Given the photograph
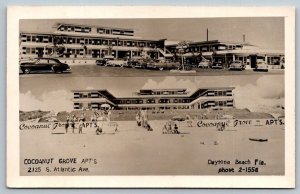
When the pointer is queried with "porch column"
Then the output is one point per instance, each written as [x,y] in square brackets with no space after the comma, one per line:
[233,57]
[266,59]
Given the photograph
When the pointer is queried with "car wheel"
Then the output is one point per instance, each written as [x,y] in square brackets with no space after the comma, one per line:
[26,70]
[56,69]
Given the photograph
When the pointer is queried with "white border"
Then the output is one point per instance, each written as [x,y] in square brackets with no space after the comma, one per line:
[15,13]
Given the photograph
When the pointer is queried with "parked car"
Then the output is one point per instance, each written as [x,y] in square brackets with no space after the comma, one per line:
[237,65]
[44,64]
[163,65]
[132,62]
[141,64]
[217,65]
[103,61]
[138,62]
[261,66]
[204,64]
[116,63]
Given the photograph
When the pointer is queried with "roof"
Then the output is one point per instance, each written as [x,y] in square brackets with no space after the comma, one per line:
[214,42]
[103,91]
[92,35]
[82,25]
[165,89]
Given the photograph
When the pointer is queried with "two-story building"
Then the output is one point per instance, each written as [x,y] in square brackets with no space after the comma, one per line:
[155,99]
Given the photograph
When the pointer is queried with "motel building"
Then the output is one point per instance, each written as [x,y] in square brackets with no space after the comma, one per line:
[226,52]
[84,43]
[155,99]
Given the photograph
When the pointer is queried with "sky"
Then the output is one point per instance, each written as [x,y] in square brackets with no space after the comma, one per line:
[267,32]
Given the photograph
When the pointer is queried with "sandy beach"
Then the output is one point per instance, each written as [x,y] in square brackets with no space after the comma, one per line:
[135,151]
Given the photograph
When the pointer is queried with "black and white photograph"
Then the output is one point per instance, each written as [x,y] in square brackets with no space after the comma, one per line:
[155,97]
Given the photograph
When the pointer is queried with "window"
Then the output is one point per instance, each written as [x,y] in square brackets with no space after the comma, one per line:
[32,50]
[43,61]
[28,50]
[49,51]
[52,61]
[28,38]
[100,30]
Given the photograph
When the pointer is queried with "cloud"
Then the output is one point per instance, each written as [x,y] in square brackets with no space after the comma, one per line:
[90,88]
[171,83]
[59,100]
[266,95]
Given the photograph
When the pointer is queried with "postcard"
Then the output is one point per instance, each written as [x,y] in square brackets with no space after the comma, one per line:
[150,97]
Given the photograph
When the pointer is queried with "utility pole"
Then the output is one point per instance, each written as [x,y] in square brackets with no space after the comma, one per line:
[207,34]
[244,37]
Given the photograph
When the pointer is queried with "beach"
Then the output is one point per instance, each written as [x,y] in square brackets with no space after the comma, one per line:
[133,150]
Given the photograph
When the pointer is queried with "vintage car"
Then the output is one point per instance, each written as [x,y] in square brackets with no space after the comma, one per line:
[44,64]
[237,65]
[261,66]
[217,65]
[103,61]
[204,64]
[133,62]
[116,63]
[163,65]
[138,62]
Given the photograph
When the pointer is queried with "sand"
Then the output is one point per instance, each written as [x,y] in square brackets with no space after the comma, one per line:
[135,151]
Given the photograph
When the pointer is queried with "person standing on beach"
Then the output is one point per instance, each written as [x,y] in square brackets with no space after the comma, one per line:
[73,123]
[80,126]
[67,124]
[108,115]
[145,118]
[138,118]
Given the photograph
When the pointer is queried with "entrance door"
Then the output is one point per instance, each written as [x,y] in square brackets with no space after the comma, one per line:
[40,52]
[253,61]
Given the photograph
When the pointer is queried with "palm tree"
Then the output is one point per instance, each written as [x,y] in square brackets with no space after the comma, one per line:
[183,45]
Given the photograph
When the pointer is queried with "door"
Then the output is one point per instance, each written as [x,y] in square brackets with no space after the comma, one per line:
[42,65]
[40,52]
[253,61]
